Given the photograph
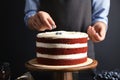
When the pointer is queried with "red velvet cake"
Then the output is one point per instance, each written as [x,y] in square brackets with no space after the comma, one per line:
[61,48]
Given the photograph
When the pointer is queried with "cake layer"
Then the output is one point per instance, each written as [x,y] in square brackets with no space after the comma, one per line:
[60,45]
[61,48]
[62,35]
[62,40]
[61,51]
[68,56]
[61,62]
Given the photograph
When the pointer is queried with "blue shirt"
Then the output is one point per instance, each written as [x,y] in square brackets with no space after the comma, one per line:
[100,10]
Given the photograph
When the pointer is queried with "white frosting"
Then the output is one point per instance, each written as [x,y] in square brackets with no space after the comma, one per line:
[70,56]
[52,67]
[54,45]
[58,35]
[63,34]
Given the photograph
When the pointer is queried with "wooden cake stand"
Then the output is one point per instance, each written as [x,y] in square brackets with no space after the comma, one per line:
[60,73]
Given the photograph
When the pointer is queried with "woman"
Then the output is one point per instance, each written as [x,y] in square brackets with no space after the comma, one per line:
[90,16]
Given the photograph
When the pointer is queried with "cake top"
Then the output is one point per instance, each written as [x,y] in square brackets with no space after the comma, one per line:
[62,34]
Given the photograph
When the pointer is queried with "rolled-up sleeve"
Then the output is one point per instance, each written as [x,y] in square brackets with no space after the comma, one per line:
[100,11]
[31,8]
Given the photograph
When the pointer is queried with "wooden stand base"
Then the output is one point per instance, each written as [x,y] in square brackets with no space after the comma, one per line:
[63,76]
[62,73]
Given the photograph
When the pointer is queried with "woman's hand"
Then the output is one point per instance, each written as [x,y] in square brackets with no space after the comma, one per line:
[97,32]
[41,21]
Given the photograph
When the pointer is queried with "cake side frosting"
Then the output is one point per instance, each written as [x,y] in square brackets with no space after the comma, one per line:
[69,56]
[61,48]
[55,45]
[62,34]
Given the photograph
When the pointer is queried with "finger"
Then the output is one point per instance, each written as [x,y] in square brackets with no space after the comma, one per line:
[39,25]
[30,24]
[100,37]
[89,31]
[35,25]
[37,20]
[96,36]
[52,23]
[101,34]
[92,34]
[47,23]
[44,20]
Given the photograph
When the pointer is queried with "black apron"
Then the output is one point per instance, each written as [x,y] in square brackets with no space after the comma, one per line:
[70,15]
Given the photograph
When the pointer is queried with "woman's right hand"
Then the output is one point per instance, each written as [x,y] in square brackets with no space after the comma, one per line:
[41,21]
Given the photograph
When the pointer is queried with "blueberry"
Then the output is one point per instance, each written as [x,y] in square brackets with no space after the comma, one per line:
[58,33]
[108,75]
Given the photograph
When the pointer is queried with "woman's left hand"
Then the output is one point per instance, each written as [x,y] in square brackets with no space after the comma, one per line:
[97,32]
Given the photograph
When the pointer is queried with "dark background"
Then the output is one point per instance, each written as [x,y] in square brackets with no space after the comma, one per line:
[18,42]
